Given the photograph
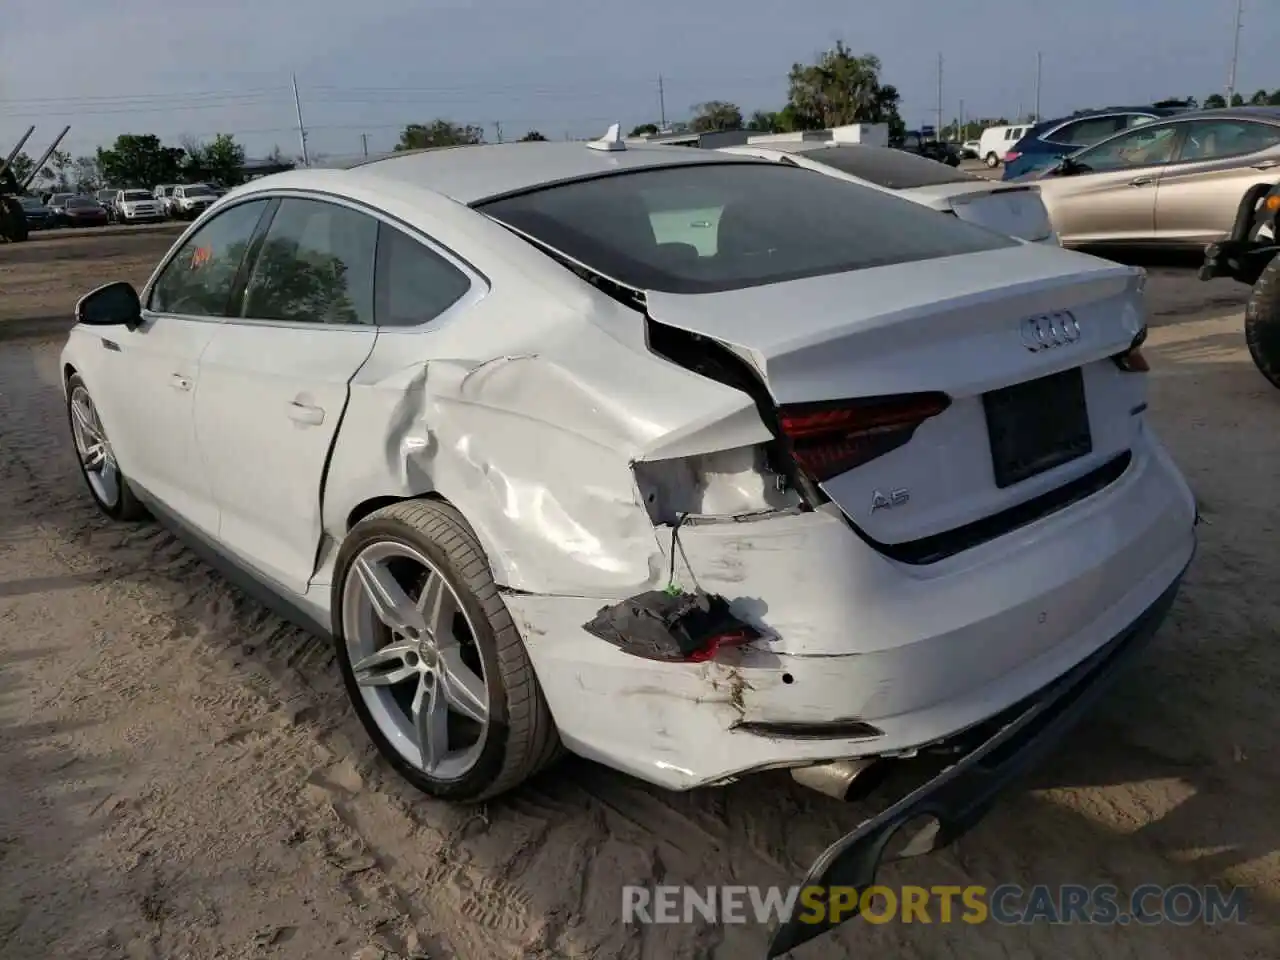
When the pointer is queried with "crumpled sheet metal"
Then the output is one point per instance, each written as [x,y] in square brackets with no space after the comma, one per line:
[534,446]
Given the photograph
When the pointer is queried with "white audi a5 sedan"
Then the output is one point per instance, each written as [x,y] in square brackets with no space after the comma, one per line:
[693,464]
[1016,209]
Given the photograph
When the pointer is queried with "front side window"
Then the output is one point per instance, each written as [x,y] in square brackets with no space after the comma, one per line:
[415,284]
[1142,147]
[762,222]
[1218,139]
[199,278]
[315,266]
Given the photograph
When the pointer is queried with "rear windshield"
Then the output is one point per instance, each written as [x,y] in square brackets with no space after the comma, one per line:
[137,195]
[894,169]
[82,202]
[199,190]
[702,228]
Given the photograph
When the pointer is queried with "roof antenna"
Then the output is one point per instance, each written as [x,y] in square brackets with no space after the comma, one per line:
[610,142]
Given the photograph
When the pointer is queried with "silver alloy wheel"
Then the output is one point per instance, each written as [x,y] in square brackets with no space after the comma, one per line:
[413,653]
[93,448]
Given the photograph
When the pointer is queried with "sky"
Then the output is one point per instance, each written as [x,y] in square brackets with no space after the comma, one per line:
[572,67]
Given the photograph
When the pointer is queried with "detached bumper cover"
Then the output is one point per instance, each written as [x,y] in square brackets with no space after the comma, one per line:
[951,803]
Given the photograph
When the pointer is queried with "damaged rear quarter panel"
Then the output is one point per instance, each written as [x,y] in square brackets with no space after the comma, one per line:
[526,414]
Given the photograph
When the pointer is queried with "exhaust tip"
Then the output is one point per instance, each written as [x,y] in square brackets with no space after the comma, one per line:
[833,779]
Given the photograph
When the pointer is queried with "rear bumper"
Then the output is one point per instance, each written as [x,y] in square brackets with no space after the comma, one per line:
[918,653]
[952,802]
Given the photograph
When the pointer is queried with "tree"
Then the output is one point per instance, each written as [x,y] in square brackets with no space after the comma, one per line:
[438,133]
[1215,101]
[222,160]
[57,171]
[139,160]
[85,177]
[21,166]
[1237,100]
[1259,99]
[842,88]
[644,130]
[716,115]
[533,136]
[1274,99]
[763,121]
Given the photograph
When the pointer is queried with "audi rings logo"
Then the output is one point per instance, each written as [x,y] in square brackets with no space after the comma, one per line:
[1050,330]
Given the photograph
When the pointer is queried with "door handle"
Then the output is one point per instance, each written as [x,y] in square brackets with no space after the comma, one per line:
[1141,181]
[306,413]
[179,382]
[1266,164]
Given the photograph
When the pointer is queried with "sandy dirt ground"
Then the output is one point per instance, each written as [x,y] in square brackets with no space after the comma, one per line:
[180,776]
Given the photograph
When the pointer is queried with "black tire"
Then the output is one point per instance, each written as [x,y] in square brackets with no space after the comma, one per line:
[15,220]
[992,160]
[1262,323]
[127,507]
[521,737]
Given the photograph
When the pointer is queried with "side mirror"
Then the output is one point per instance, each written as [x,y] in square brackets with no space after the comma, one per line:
[114,304]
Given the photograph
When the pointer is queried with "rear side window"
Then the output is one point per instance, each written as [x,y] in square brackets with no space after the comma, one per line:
[894,169]
[739,225]
[315,266]
[1085,133]
[415,284]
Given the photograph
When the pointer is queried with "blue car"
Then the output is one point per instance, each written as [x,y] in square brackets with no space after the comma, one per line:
[1046,143]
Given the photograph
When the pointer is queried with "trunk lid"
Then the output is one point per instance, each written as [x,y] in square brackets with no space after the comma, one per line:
[955,325]
[1016,211]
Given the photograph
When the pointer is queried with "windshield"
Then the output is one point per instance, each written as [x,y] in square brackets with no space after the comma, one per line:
[701,228]
[893,169]
[61,197]
[132,195]
[82,202]
[199,190]
[106,194]
[31,203]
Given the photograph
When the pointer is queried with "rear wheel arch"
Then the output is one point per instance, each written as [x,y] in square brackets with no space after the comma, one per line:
[497,565]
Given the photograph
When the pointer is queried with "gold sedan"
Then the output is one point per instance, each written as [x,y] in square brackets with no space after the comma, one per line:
[1171,182]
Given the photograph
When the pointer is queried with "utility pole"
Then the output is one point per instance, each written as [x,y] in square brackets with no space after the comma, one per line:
[938,134]
[1038,65]
[662,105]
[961,130]
[1235,53]
[364,143]
[302,131]
[497,125]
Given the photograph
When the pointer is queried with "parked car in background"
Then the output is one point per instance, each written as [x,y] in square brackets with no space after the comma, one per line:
[163,194]
[971,149]
[190,200]
[852,482]
[938,186]
[995,142]
[137,206]
[107,197]
[56,204]
[1046,143]
[1172,182]
[36,212]
[79,211]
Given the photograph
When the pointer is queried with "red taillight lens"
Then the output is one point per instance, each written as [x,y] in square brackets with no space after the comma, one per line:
[828,438]
[717,643]
[1011,156]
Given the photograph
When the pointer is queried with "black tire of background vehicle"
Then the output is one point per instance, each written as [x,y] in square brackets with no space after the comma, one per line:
[992,160]
[15,220]
[1262,323]
[522,737]
[127,508]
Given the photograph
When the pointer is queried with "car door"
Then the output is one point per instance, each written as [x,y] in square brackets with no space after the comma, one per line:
[275,382]
[1109,191]
[1217,162]
[151,375]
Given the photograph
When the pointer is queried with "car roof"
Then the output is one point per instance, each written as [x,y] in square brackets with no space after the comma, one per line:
[469,174]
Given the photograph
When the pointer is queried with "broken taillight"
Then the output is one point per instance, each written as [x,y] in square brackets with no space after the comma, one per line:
[830,437]
[1011,156]
[1132,360]
[714,644]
